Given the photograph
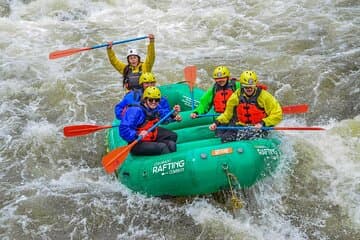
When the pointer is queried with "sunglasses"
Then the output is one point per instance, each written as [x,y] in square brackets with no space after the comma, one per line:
[154,100]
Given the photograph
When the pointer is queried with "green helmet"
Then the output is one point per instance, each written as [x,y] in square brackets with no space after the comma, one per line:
[147,77]
[152,92]
[221,72]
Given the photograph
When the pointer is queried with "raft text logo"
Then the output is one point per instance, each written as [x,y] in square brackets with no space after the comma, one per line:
[264,151]
[167,167]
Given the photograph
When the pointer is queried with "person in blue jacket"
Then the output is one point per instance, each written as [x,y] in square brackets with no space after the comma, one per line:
[139,118]
[146,79]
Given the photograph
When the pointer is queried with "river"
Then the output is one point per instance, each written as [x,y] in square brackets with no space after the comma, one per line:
[54,187]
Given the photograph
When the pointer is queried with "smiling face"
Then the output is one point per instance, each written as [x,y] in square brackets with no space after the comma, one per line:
[249,90]
[221,81]
[133,60]
[152,103]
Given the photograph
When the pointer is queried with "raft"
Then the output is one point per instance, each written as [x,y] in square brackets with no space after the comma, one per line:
[202,164]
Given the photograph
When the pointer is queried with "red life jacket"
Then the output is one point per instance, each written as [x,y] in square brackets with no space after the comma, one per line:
[222,94]
[249,111]
[262,86]
[151,119]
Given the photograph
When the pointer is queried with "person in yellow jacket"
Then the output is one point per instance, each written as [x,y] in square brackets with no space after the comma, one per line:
[132,70]
[252,106]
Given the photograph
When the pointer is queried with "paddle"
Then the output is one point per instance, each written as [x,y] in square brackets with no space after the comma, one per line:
[116,157]
[273,128]
[84,129]
[294,109]
[71,51]
[190,77]
[291,109]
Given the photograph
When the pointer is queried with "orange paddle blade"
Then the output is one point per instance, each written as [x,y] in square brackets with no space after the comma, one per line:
[190,75]
[115,158]
[79,130]
[293,109]
[68,52]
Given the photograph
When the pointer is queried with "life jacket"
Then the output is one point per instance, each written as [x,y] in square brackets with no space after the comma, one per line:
[222,94]
[249,111]
[262,86]
[131,79]
[151,118]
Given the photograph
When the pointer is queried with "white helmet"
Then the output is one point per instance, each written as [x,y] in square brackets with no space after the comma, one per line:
[132,51]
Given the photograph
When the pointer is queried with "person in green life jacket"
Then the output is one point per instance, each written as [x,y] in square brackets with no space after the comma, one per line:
[252,106]
[132,70]
[217,95]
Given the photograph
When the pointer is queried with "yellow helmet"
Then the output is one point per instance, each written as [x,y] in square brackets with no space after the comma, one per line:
[147,77]
[151,92]
[248,79]
[221,72]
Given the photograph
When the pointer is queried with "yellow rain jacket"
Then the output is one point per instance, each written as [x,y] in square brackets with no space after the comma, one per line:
[265,100]
[146,65]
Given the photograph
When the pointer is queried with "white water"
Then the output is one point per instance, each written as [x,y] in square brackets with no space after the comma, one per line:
[55,188]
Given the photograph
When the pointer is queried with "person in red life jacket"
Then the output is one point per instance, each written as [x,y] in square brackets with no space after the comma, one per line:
[139,118]
[132,97]
[217,95]
[132,70]
[252,106]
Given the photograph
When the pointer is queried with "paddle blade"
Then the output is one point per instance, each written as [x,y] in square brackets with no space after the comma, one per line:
[190,75]
[79,130]
[68,52]
[293,109]
[115,158]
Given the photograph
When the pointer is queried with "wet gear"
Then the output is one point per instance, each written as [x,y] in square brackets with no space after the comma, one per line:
[221,72]
[145,66]
[133,98]
[222,94]
[130,78]
[152,92]
[132,52]
[207,99]
[265,101]
[140,117]
[147,77]
[248,79]
[150,120]
[248,111]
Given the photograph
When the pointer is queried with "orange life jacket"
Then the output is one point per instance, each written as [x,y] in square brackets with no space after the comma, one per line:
[249,111]
[150,120]
[262,86]
[222,94]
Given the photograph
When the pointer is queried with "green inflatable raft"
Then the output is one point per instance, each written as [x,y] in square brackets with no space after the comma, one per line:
[201,164]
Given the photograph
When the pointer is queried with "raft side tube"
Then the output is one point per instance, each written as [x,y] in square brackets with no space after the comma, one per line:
[180,94]
[187,171]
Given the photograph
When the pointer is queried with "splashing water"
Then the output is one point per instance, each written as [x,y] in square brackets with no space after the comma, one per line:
[55,188]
